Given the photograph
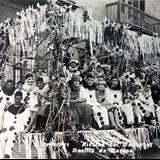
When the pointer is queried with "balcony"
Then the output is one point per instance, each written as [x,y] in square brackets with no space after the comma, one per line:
[139,20]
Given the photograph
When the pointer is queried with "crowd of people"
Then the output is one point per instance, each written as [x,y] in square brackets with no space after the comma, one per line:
[99,100]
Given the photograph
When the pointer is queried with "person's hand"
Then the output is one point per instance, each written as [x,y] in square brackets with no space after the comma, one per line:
[12,128]
[26,106]
[5,109]
[3,130]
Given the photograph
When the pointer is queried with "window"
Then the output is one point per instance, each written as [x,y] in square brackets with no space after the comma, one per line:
[140,4]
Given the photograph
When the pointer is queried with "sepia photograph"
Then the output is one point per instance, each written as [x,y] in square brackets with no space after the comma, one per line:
[79,79]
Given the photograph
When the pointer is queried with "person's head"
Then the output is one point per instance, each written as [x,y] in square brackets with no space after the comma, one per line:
[132,70]
[107,70]
[30,79]
[74,63]
[101,84]
[18,97]
[155,89]
[89,80]
[20,85]
[10,85]
[141,74]
[40,83]
[114,81]
[127,100]
[132,82]
[147,87]
[76,81]
[99,68]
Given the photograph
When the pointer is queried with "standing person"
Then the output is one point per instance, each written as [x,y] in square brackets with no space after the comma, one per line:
[82,112]
[7,96]
[30,88]
[42,93]
[14,122]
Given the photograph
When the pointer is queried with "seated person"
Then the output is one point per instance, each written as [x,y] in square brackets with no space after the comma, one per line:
[100,112]
[72,69]
[82,112]
[146,98]
[127,109]
[156,98]
[15,121]
[114,97]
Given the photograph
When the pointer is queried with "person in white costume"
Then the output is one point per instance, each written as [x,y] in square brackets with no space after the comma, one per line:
[41,90]
[114,97]
[15,121]
[30,88]
[127,109]
[146,98]
[100,112]
[7,98]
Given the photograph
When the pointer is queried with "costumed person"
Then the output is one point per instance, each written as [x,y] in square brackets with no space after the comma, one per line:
[137,105]
[156,98]
[71,69]
[15,122]
[20,88]
[127,109]
[82,112]
[83,70]
[101,97]
[100,113]
[92,68]
[114,97]
[130,73]
[108,75]
[41,115]
[145,97]
[140,76]
[7,98]
[30,88]
[99,71]
[155,94]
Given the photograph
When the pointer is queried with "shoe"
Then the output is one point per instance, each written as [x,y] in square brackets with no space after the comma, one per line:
[6,156]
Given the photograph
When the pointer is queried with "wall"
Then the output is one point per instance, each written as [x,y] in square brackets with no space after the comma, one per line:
[153,7]
[96,7]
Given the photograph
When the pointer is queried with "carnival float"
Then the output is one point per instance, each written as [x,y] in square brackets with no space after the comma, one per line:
[56,33]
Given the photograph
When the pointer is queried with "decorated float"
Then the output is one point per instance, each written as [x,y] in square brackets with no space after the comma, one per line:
[55,33]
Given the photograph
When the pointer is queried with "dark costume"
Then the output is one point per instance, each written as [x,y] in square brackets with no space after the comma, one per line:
[82,112]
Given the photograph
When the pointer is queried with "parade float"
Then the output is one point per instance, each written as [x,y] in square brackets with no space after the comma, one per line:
[49,32]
